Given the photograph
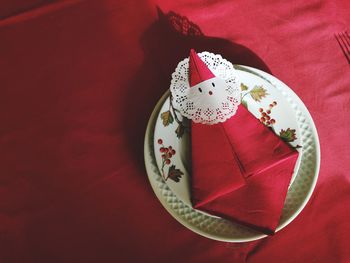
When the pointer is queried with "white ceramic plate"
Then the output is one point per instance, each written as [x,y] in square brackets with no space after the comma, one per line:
[168,121]
[298,194]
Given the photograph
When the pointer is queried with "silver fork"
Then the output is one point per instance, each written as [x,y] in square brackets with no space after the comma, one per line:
[343,40]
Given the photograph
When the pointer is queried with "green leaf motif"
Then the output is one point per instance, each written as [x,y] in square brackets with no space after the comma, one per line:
[244,87]
[258,92]
[175,174]
[288,135]
[180,130]
[244,103]
[167,118]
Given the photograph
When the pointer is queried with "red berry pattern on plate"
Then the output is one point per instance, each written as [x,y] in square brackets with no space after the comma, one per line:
[167,153]
[265,117]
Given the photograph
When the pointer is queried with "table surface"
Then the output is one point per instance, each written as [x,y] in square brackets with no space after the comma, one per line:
[78,81]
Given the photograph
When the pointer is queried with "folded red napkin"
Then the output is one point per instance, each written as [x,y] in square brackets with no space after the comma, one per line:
[253,152]
[241,170]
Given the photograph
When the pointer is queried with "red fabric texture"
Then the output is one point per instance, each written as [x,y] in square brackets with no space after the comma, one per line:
[198,71]
[224,155]
[78,81]
[215,167]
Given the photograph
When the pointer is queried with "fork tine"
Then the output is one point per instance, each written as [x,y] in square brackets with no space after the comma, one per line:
[347,38]
[346,41]
[343,46]
[346,45]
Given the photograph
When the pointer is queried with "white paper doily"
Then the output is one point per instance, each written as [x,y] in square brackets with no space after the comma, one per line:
[191,103]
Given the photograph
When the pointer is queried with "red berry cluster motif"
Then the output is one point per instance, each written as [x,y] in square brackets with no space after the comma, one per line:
[265,115]
[167,152]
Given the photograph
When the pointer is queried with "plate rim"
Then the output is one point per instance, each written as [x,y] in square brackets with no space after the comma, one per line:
[148,164]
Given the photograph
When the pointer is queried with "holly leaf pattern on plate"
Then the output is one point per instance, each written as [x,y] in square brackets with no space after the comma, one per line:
[175,174]
[180,130]
[167,118]
[258,92]
[244,87]
[288,135]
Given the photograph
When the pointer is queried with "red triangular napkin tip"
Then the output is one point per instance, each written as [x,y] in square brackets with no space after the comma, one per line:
[198,70]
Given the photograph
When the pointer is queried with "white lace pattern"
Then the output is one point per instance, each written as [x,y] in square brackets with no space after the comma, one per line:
[223,102]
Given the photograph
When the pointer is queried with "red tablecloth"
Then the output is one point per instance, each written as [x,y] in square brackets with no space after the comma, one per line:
[78,80]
